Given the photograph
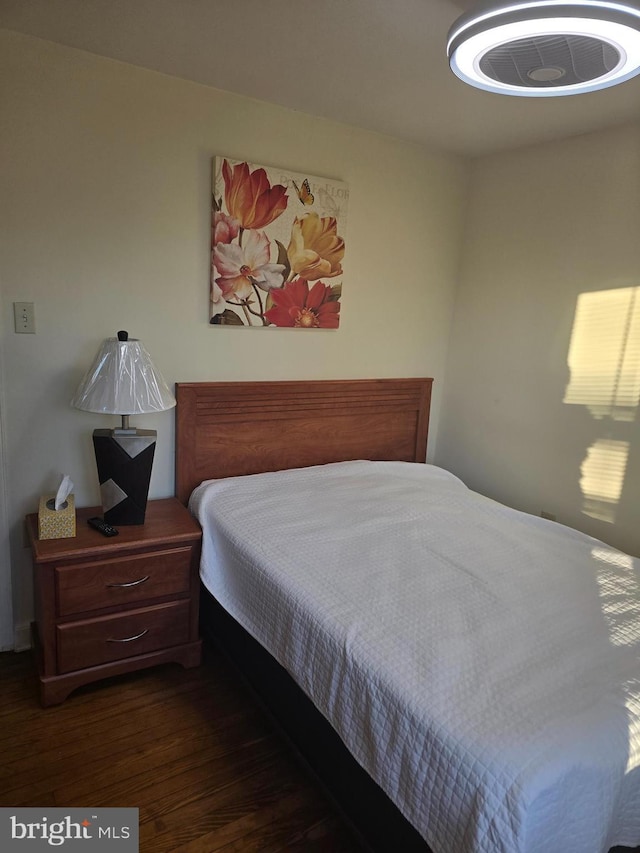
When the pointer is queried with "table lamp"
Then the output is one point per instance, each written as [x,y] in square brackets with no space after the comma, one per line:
[123,381]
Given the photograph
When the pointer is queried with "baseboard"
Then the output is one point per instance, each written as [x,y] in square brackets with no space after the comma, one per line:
[22,637]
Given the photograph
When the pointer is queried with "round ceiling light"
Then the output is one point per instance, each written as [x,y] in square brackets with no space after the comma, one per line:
[542,48]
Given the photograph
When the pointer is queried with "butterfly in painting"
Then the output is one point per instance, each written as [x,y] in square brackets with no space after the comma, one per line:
[304,192]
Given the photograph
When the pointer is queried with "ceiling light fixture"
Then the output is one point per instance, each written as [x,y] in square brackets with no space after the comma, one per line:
[543,48]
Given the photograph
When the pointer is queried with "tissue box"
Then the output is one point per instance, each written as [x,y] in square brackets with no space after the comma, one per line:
[56,525]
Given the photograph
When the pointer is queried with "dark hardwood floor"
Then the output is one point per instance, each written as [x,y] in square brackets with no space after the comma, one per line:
[189,748]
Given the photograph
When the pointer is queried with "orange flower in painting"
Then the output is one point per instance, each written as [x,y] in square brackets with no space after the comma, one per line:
[315,250]
[296,305]
[249,196]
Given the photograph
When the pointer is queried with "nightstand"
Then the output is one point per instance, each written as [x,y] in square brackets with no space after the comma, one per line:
[106,606]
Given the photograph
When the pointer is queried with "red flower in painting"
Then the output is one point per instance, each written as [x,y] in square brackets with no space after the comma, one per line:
[296,305]
[249,196]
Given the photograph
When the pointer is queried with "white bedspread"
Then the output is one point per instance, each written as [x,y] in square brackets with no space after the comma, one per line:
[483,665]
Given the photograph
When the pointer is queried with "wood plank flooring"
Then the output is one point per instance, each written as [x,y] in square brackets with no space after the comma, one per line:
[189,748]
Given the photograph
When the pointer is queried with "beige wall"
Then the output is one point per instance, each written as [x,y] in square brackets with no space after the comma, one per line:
[105,185]
[551,230]
[104,178]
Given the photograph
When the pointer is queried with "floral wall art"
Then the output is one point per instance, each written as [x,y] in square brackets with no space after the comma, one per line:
[277,247]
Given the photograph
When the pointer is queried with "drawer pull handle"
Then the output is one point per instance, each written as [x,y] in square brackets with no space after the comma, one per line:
[129,639]
[130,583]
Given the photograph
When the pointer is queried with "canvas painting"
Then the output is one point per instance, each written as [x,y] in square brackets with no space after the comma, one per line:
[277,247]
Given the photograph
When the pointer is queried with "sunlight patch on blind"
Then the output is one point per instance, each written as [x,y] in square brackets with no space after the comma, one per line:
[603,471]
[604,353]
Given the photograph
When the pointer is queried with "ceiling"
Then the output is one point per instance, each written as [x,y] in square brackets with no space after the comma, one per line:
[376,64]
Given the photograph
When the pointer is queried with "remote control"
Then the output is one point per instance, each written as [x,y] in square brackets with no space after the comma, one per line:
[102,526]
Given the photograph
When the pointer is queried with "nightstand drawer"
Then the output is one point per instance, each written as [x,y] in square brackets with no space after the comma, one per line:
[122,581]
[109,638]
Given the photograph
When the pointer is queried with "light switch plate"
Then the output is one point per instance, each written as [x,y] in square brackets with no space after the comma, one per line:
[25,318]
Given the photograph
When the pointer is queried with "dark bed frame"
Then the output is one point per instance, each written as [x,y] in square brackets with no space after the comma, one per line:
[374,820]
[227,429]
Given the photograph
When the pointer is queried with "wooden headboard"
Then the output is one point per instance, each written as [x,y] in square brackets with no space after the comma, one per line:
[225,429]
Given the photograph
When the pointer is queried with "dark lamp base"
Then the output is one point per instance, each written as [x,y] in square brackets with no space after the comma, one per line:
[124,459]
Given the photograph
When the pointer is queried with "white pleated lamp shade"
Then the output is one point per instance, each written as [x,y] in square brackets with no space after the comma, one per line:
[123,381]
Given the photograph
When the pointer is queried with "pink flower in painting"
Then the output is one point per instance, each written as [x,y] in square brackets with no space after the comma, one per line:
[296,305]
[225,228]
[249,196]
[241,267]
[218,304]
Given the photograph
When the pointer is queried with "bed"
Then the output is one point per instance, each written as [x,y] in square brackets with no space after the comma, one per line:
[464,678]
